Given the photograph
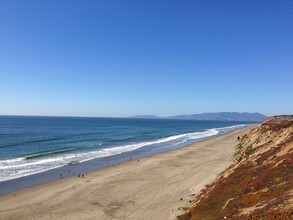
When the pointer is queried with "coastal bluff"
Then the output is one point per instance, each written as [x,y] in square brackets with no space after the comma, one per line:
[259,183]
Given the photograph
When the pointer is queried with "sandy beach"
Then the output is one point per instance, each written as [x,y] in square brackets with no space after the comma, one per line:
[155,187]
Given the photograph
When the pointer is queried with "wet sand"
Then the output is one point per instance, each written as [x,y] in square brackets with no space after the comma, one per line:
[155,187]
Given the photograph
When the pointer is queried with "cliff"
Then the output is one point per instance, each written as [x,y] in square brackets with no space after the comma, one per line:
[259,183]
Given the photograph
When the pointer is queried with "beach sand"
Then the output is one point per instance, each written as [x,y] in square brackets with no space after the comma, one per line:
[146,189]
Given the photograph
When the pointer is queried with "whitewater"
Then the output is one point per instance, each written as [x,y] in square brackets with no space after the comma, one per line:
[32,163]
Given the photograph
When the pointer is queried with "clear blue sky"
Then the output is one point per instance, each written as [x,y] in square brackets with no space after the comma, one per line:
[121,58]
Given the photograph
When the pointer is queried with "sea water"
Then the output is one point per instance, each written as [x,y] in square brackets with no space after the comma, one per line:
[30,145]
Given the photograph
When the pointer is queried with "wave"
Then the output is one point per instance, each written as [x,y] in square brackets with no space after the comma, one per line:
[148,132]
[123,139]
[53,139]
[82,141]
[42,161]
[48,153]
[83,134]
[180,137]
[30,142]
[233,127]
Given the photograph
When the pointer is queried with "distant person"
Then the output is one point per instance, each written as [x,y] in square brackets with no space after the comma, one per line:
[238,138]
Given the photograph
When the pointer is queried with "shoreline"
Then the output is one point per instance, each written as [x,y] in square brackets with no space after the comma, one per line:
[146,189]
[71,170]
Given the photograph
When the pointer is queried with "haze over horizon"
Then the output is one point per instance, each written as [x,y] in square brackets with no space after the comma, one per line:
[124,58]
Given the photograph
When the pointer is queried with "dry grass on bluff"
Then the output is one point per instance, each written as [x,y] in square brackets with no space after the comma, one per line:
[259,185]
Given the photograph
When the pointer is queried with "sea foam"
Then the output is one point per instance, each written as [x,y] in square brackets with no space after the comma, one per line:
[19,167]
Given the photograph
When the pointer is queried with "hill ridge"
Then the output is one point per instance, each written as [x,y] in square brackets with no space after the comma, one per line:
[213,116]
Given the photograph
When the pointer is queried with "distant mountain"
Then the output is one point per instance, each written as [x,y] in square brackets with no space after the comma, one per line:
[216,116]
[223,116]
[145,116]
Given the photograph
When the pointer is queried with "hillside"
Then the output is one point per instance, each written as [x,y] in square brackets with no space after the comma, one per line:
[259,184]
[224,116]
[216,116]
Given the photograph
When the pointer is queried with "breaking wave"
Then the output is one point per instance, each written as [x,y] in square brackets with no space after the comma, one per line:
[43,161]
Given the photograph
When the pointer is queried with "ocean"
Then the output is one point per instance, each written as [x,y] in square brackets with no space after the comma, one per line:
[31,144]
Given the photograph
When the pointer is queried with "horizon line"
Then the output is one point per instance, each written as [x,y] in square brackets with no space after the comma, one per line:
[130,116]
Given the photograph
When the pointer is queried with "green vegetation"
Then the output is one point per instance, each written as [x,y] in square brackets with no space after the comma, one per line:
[250,151]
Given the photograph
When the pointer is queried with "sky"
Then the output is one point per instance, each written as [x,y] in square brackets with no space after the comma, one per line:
[121,58]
